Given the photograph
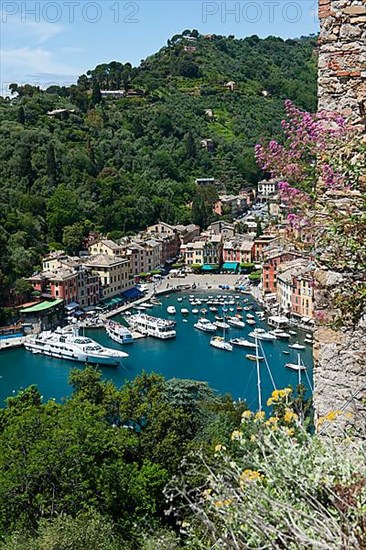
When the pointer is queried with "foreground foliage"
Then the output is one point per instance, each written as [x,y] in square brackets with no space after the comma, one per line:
[279,487]
[105,454]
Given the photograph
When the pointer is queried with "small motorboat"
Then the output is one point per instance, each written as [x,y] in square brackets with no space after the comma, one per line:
[286,352]
[179,299]
[205,325]
[239,308]
[219,343]
[254,357]
[218,318]
[195,311]
[213,309]
[242,342]
[292,332]
[184,311]
[250,316]
[171,310]
[261,334]
[296,346]
[251,321]
[235,322]
[308,341]
[280,333]
[222,325]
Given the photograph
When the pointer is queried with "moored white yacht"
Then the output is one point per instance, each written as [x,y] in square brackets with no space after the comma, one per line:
[235,322]
[119,333]
[205,325]
[153,326]
[68,344]
[243,343]
[171,310]
[279,333]
[221,325]
[296,346]
[219,343]
[261,334]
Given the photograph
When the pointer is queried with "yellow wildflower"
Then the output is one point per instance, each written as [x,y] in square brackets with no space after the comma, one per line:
[247,414]
[237,435]
[220,503]
[279,394]
[249,476]
[272,420]
[290,416]
[185,524]
[206,493]
[253,437]
[260,415]
[289,431]
[219,448]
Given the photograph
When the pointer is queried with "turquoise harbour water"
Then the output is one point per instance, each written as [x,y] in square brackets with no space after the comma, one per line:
[189,355]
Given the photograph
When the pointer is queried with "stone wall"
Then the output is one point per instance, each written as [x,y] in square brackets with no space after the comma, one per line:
[340,355]
[342,58]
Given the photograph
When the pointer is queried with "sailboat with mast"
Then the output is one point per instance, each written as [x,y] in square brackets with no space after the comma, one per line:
[257,358]
[219,342]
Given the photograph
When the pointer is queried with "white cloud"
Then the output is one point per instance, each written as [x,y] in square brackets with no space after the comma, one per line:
[28,29]
[36,60]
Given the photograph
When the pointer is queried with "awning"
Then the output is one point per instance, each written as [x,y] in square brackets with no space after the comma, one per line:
[231,266]
[132,293]
[78,313]
[209,267]
[71,306]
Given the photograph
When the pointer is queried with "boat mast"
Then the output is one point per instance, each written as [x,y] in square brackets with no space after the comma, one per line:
[258,375]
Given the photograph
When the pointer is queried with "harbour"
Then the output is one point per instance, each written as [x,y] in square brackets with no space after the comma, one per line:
[188,355]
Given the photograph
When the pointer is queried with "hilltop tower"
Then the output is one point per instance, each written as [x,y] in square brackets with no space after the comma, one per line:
[340,355]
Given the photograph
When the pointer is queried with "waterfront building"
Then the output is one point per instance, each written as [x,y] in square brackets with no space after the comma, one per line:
[114,273]
[260,244]
[61,283]
[43,315]
[207,250]
[239,249]
[106,246]
[294,288]
[88,291]
[270,268]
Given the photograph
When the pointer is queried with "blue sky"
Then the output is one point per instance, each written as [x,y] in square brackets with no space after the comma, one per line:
[47,42]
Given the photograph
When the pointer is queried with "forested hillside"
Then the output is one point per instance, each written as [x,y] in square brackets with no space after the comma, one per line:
[117,165]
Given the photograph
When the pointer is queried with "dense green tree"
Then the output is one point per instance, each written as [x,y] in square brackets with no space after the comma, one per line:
[72,237]
[21,115]
[51,164]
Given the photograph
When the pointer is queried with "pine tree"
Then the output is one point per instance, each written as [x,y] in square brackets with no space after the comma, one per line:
[96,94]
